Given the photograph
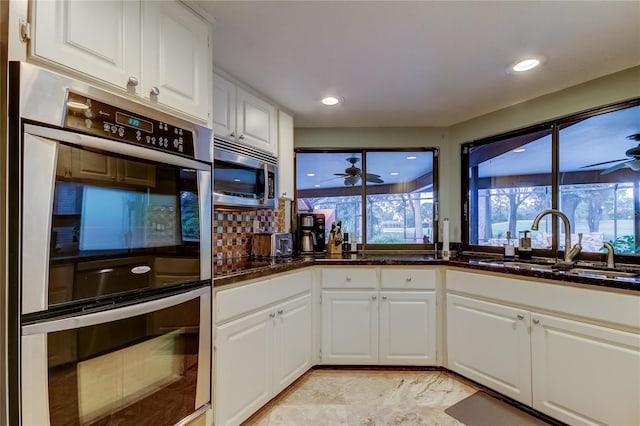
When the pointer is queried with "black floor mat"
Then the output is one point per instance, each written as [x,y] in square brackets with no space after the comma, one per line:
[481,409]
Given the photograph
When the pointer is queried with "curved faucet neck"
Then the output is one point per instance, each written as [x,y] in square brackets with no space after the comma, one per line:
[567,230]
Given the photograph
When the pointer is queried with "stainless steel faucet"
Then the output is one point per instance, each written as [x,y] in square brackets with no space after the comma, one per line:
[569,252]
[610,252]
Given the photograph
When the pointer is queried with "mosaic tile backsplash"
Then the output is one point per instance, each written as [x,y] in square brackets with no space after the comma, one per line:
[232,230]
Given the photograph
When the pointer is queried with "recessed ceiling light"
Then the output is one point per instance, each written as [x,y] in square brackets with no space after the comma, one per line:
[317,185]
[525,64]
[411,157]
[331,100]
[311,174]
[394,173]
[519,150]
[236,180]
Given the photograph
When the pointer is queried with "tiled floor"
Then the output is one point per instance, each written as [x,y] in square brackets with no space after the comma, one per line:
[366,397]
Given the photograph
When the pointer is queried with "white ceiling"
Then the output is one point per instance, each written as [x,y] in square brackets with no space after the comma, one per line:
[421,63]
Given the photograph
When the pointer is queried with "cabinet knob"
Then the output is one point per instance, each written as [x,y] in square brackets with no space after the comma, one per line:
[408,279]
[520,316]
[272,315]
[241,137]
[536,321]
[280,311]
[132,81]
[348,279]
[155,91]
[374,297]
[384,297]
[232,134]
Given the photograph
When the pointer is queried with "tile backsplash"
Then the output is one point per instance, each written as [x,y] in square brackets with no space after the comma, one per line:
[232,230]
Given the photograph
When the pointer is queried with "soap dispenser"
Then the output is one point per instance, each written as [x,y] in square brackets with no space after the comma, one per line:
[524,250]
[509,249]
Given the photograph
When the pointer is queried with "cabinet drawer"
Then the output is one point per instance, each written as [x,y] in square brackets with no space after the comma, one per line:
[240,300]
[349,278]
[409,279]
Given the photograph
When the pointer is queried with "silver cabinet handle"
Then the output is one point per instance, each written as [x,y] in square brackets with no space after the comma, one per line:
[241,137]
[374,297]
[280,311]
[155,91]
[272,315]
[348,279]
[384,297]
[520,316]
[132,81]
[536,321]
[408,279]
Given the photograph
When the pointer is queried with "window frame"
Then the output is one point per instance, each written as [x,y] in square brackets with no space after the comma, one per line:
[554,125]
[363,153]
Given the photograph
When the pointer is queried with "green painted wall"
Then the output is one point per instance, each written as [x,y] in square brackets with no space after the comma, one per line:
[610,89]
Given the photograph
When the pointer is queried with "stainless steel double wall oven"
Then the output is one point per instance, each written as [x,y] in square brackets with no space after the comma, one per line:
[110,268]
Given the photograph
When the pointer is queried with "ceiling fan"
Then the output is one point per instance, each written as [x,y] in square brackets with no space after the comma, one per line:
[632,161]
[353,174]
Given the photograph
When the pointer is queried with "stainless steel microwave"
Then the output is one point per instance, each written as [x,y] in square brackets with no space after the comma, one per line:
[243,176]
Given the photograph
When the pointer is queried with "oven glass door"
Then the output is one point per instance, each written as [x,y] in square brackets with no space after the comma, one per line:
[114,224]
[151,368]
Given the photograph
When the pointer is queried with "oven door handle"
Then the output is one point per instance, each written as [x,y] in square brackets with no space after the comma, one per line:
[265,170]
[112,314]
[114,147]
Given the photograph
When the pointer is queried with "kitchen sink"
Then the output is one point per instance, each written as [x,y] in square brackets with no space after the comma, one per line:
[601,273]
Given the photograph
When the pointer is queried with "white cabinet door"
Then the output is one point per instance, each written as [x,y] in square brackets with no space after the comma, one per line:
[177,62]
[350,327]
[292,347]
[285,154]
[256,122]
[97,38]
[489,343]
[408,328]
[584,374]
[224,107]
[243,366]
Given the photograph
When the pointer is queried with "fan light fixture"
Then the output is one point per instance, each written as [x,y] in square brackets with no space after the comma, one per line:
[331,100]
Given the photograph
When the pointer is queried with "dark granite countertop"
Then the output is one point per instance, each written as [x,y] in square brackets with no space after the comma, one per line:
[236,270]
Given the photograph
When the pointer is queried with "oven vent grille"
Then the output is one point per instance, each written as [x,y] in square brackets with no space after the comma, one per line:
[238,148]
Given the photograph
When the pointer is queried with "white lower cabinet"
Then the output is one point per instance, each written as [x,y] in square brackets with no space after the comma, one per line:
[258,355]
[371,327]
[585,374]
[349,327]
[489,343]
[578,371]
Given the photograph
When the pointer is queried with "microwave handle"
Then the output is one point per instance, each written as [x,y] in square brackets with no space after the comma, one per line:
[265,169]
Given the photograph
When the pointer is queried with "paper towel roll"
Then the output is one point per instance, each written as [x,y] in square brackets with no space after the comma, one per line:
[445,239]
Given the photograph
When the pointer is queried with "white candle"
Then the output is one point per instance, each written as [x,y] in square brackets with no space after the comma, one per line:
[445,239]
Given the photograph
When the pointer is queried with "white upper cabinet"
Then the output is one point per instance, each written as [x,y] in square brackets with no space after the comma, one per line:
[176,58]
[158,51]
[285,154]
[256,122]
[97,38]
[224,107]
[244,117]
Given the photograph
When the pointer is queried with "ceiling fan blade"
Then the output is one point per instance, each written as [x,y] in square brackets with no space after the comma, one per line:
[374,179]
[372,176]
[617,167]
[604,162]
[341,174]
[634,164]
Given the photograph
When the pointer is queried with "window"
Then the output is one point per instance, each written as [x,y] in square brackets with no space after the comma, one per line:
[587,166]
[382,197]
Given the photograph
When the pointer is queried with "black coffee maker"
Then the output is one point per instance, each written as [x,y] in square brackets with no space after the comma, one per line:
[310,233]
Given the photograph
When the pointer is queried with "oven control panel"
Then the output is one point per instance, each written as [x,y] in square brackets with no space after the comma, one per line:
[106,121]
